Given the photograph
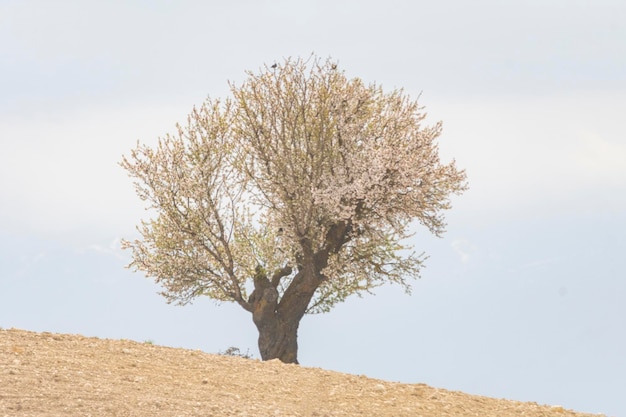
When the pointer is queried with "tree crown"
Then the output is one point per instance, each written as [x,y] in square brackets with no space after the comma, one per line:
[302,168]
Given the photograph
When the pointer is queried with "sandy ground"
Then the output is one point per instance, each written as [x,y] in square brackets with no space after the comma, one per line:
[45,374]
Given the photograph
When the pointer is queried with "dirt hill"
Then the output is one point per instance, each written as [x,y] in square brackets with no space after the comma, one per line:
[45,374]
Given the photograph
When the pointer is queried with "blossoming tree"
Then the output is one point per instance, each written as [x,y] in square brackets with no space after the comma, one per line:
[289,196]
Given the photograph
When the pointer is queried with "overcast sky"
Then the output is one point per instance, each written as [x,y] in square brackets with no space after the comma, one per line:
[523,297]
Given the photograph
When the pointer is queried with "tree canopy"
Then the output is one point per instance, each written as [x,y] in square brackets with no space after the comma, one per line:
[292,194]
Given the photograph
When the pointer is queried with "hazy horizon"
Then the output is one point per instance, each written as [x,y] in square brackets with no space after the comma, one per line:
[522,298]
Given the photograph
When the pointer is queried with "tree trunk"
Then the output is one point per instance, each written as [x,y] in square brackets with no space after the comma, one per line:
[277,322]
[279,340]
[278,333]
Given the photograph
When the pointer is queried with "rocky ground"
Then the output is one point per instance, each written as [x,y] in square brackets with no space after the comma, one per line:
[45,374]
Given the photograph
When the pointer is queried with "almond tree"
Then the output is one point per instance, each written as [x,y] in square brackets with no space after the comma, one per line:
[289,196]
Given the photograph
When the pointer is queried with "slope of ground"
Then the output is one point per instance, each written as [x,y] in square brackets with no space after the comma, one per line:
[44,374]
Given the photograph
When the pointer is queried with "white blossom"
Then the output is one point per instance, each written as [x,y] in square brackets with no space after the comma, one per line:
[267,178]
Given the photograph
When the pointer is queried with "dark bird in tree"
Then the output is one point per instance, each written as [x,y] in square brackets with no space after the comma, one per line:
[274,66]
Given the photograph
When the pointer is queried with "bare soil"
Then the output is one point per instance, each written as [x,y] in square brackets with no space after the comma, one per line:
[45,374]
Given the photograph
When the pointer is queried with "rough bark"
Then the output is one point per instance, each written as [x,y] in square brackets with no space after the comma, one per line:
[277,320]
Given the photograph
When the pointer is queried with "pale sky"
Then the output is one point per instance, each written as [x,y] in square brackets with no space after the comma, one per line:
[523,297]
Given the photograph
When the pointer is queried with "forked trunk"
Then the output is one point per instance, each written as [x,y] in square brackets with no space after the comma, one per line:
[278,324]
[278,331]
